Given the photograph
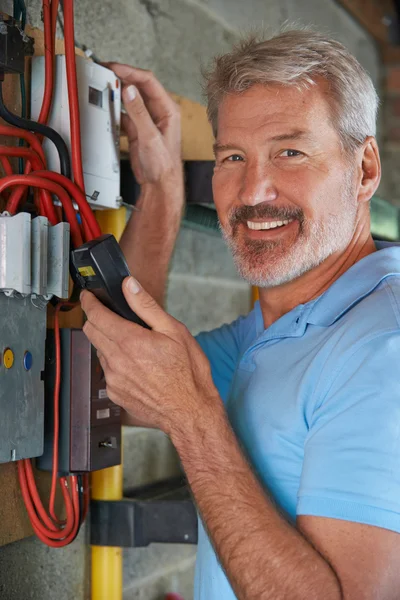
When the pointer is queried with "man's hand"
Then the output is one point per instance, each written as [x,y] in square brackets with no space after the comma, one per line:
[153,126]
[160,377]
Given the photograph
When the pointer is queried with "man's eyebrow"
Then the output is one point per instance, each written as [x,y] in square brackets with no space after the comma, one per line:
[293,135]
[298,134]
[224,147]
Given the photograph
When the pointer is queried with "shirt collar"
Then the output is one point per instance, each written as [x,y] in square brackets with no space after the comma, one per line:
[356,283]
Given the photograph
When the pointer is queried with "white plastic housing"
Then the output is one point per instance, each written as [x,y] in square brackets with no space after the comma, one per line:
[34,257]
[100,112]
[15,253]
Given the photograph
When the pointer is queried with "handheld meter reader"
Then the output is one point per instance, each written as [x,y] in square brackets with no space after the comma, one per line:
[100,267]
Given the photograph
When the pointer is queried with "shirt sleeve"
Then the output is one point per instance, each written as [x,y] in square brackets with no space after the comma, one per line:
[351,467]
[222,348]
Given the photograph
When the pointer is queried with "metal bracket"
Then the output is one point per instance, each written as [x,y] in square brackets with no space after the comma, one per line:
[162,513]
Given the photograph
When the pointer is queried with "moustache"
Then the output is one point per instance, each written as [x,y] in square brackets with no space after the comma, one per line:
[240,214]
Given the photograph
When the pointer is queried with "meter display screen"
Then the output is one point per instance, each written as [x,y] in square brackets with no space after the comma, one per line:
[95,97]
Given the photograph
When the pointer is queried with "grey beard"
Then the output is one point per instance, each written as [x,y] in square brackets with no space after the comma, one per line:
[315,243]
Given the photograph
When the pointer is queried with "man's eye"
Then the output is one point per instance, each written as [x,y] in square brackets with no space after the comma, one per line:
[234,158]
[290,153]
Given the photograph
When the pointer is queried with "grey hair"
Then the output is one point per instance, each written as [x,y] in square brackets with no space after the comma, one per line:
[299,57]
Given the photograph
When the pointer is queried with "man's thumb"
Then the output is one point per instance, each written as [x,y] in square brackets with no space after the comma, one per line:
[145,306]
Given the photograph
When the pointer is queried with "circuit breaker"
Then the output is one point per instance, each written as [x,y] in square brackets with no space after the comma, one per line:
[100,112]
[33,268]
[90,424]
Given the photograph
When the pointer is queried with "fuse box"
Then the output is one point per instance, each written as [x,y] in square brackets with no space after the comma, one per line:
[100,113]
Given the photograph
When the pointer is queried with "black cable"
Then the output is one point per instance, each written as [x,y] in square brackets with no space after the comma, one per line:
[9,117]
[23,115]
[20,15]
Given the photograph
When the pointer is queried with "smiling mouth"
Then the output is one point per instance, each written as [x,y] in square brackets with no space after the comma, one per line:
[256,226]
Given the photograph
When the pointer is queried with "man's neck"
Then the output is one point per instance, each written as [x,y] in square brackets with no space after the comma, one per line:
[277,301]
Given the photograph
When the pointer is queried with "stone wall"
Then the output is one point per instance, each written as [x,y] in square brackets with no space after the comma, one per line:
[173,38]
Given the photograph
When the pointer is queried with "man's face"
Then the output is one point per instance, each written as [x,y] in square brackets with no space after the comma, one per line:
[284,190]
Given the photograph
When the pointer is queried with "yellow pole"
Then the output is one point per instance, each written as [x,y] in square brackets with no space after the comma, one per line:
[112,221]
[106,579]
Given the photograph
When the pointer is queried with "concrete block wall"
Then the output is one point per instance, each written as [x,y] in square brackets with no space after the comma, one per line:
[173,38]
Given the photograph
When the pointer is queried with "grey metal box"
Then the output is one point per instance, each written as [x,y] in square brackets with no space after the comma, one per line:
[22,329]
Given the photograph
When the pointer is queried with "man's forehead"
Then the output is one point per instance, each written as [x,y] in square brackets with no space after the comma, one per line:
[275,95]
[276,112]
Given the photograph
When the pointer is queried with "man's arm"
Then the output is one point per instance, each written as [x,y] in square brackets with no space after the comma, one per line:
[153,127]
[263,555]
[150,235]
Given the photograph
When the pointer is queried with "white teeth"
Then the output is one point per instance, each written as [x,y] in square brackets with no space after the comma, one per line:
[267,225]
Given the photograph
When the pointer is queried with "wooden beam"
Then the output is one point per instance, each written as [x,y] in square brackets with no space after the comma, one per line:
[372,16]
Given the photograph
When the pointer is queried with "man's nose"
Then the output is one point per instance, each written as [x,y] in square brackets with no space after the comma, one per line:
[257,186]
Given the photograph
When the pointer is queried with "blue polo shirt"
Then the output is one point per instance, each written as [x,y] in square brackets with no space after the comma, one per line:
[315,402]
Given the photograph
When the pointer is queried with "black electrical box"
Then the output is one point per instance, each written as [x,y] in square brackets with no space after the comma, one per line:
[100,267]
[90,424]
[14,46]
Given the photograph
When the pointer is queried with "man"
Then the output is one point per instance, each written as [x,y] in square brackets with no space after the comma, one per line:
[288,425]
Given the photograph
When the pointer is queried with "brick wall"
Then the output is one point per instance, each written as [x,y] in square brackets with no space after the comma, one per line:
[390,126]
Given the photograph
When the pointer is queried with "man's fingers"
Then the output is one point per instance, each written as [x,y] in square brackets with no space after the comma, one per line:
[109,324]
[146,307]
[100,341]
[138,112]
[128,127]
[158,101]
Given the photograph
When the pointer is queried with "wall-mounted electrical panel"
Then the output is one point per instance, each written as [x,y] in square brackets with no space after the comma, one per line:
[33,267]
[100,112]
[90,424]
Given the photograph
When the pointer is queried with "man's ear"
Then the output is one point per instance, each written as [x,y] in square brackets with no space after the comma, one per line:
[370,170]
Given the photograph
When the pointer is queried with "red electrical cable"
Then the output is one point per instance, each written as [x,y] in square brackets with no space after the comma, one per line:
[6,165]
[75,125]
[54,12]
[40,518]
[48,63]
[50,529]
[17,193]
[7,168]
[51,186]
[47,526]
[52,536]
[93,230]
[57,385]
[48,18]
[80,199]
[47,202]
[28,136]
